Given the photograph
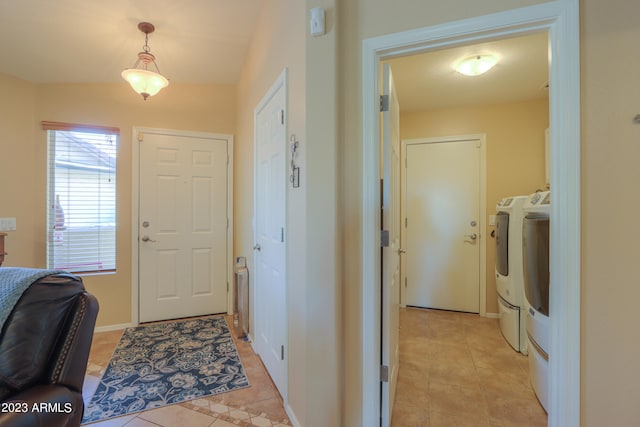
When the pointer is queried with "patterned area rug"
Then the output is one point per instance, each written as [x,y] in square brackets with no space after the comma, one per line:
[161,364]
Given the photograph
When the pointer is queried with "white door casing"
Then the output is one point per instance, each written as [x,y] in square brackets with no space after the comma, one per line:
[441,201]
[391,248]
[270,305]
[183,225]
[561,20]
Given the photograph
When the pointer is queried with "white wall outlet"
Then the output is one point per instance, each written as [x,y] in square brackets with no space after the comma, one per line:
[7,224]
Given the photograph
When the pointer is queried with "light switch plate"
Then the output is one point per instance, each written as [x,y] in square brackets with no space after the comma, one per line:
[317,21]
[7,224]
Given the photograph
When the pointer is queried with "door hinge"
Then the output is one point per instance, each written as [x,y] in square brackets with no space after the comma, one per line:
[405,282]
[140,136]
[227,287]
[384,103]
[384,238]
[281,117]
[281,352]
[282,234]
[384,373]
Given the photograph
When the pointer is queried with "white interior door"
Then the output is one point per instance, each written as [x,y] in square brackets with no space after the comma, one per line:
[391,251]
[182,226]
[270,319]
[442,210]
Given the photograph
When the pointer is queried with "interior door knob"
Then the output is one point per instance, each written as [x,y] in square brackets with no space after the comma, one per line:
[257,247]
[147,239]
[473,236]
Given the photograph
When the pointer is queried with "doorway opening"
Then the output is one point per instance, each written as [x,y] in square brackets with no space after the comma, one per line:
[560,20]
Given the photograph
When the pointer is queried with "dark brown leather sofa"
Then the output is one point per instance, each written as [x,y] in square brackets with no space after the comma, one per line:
[44,348]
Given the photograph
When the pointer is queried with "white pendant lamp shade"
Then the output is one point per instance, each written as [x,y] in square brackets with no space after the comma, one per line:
[476,65]
[144,81]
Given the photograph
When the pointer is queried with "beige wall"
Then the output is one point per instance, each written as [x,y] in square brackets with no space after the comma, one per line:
[205,108]
[515,153]
[278,44]
[610,206]
[19,192]
[323,306]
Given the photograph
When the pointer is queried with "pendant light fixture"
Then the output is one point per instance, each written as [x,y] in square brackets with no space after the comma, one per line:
[144,81]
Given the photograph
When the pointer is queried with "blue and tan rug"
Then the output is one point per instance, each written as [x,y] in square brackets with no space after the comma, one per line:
[166,363]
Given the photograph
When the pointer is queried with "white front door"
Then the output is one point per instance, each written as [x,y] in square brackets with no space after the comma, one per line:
[270,318]
[182,226]
[442,225]
[391,248]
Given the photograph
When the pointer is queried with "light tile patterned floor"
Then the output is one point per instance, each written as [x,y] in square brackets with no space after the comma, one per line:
[259,405]
[457,370]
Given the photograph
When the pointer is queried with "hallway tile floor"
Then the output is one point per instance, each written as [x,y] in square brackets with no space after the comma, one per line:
[259,405]
[456,370]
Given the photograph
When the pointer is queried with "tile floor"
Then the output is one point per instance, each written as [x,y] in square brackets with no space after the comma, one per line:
[457,370]
[258,405]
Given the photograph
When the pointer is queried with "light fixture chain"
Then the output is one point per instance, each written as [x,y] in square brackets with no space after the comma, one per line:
[146,43]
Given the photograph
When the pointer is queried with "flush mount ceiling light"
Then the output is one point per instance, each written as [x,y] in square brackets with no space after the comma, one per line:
[476,64]
[144,81]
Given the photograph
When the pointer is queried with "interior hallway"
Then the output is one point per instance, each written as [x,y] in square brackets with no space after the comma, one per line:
[456,369]
[259,405]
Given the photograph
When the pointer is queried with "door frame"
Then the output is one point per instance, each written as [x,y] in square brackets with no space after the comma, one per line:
[281,82]
[135,210]
[560,19]
[482,217]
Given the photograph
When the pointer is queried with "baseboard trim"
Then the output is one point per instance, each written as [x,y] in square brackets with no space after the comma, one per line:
[109,328]
[493,315]
[292,417]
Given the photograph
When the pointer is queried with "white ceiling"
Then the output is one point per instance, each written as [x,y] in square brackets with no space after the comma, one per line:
[427,81]
[87,41]
[206,41]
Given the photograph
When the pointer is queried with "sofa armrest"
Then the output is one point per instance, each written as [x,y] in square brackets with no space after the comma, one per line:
[71,363]
[42,406]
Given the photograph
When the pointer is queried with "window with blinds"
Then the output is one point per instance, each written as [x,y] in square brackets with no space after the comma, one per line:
[81,197]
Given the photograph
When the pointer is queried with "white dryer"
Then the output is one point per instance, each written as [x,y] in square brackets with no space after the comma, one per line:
[508,269]
[535,251]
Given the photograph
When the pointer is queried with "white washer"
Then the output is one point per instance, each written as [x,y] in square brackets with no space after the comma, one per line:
[508,269]
[535,251]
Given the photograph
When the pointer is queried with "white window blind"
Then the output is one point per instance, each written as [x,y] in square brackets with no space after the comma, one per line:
[81,197]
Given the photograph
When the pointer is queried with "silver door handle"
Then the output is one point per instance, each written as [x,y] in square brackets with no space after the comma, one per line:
[147,239]
[401,251]
[473,236]
[257,247]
